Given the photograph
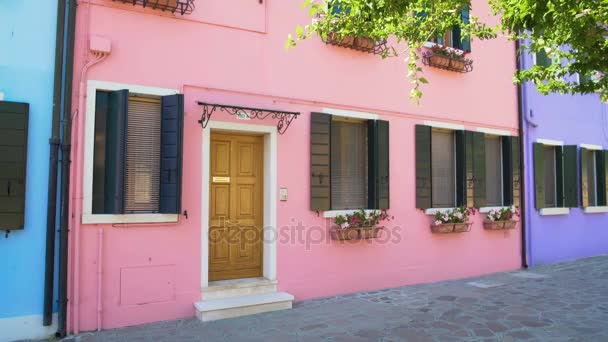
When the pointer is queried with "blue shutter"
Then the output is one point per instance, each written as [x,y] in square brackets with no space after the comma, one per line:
[378,164]
[171,153]
[464,43]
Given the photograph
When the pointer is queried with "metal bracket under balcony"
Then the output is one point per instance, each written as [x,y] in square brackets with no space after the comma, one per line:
[284,118]
[179,6]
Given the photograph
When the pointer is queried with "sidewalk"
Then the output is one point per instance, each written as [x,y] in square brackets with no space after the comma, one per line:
[563,302]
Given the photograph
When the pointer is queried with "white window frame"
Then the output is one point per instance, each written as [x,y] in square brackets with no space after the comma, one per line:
[501,133]
[89,148]
[554,210]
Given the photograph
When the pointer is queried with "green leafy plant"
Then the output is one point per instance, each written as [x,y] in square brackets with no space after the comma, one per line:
[573,33]
[456,215]
[361,218]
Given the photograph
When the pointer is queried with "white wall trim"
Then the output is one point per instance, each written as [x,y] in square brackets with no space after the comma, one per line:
[129,218]
[447,125]
[554,211]
[550,142]
[595,210]
[485,210]
[334,213]
[591,147]
[89,141]
[25,328]
[493,131]
[350,114]
[270,193]
[433,211]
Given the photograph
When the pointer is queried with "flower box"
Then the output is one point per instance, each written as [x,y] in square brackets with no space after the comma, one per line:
[364,44]
[447,58]
[360,233]
[499,225]
[440,61]
[457,64]
[447,228]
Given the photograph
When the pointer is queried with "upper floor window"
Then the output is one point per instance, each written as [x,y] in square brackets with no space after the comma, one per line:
[349,163]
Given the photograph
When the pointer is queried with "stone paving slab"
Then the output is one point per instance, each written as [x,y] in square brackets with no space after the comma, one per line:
[562,302]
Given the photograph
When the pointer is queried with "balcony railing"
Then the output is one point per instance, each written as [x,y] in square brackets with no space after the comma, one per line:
[180,6]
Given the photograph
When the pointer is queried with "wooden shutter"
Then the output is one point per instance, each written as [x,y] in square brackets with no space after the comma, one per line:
[469,173]
[511,177]
[460,42]
[171,153]
[461,168]
[99,151]
[542,59]
[604,180]
[602,192]
[424,186]
[479,168]
[559,176]
[378,159]
[585,155]
[320,175]
[115,153]
[14,119]
[570,176]
[539,175]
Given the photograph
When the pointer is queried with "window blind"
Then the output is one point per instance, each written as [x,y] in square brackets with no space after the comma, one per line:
[142,174]
[443,169]
[348,165]
[550,185]
[493,171]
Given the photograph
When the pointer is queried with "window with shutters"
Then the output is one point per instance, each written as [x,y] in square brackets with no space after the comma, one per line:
[542,59]
[349,163]
[593,177]
[136,155]
[443,166]
[556,177]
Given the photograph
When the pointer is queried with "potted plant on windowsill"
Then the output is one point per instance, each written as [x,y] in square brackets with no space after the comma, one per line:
[453,221]
[447,58]
[359,225]
[500,219]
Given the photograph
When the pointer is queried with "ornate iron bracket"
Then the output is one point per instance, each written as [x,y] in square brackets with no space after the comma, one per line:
[285,118]
[180,6]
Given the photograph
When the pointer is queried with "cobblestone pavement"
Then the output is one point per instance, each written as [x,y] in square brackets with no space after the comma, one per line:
[562,302]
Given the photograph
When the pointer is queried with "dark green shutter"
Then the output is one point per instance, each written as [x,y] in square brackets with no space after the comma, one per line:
[539,176]
[559,176]
[464,43]
[424,188]
[602,193]
[605,159]
[111,110]
[320,174]
[378,161]
[510,170]
[171,153]
[479,169]
[461,168]
[14,118]
[542,59]
[469,172]
[570,167]
[585,155]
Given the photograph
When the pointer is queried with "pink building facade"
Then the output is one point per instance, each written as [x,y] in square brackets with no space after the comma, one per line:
[135,265]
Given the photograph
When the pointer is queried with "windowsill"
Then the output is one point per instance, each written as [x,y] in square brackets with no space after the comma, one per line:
[485,210]
[129,218]
[595,210]
[554,211]
[334,213]
[431,44]
[433,211]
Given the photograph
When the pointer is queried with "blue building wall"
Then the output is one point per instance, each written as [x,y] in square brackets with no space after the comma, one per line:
[27,47]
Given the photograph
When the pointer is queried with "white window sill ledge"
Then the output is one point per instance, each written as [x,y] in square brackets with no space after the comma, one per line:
[433,211]
[485,210]
[595,210]
[554,211]
[129,218]
[334,213]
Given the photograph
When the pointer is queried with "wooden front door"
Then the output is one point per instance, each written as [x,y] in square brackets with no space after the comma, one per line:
[235,206]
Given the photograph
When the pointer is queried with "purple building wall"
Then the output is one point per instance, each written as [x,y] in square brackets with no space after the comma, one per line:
[575,120]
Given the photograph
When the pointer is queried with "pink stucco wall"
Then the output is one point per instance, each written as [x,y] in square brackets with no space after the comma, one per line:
[239,59]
